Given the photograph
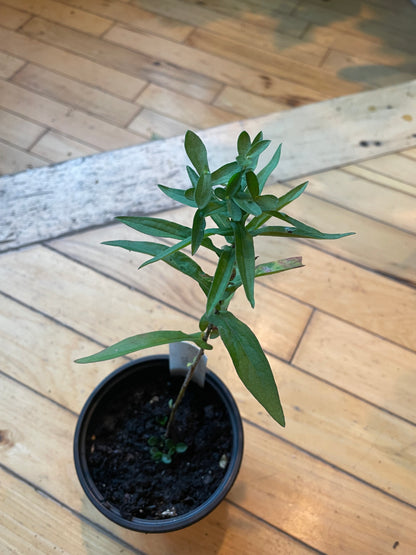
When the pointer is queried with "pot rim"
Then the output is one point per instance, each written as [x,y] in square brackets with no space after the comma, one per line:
[168,524]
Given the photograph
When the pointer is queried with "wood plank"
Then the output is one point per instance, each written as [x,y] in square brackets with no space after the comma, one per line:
[359,362]
[411,153]
[316,138]
[360,47]
[402,19]
[13,160]
[274,477]
[78,67]
[171,27]
[58,116]
[152,125]
[9,65]
[214,66]
[394,166]
[56,11]
[353,68]
[180,107]
[58,148]
[34,523]
[241,19]
[369,28]
[357,194]
[295,314]
[247,104]
[12,18]
[76,94]
[376,245]
[274,39]
[18,131]
[152,67]
[316,84]
[383,180]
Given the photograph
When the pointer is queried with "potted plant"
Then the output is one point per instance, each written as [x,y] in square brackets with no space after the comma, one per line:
[155,452]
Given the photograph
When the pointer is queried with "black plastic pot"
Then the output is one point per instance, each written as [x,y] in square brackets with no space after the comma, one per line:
[102,392]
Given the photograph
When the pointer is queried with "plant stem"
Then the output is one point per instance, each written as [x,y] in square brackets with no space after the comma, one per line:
[187,381]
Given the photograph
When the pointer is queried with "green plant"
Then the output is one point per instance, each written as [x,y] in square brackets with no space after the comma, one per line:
[232,197]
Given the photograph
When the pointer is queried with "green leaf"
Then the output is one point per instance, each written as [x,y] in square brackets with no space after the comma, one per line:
[257,149]
[265,173]
[304,232]
[243,143]
[170,250]
[276,266]
[252,184]
[178,195]
[144,341]
[250,362]
[234,211]
[177,260]
[196,151]
[258,138]
[267,202]
[198,228]
[247,204]
[193,176]
[234,184]
[244,253]
[157,227]
[203,190]
[223,174]
[291,195]
[221,279]
[181,447]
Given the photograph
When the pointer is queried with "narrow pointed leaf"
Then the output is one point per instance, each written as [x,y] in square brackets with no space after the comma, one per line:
[252,184]
[244,253]
[196,151]
[250,362]
[234,211]
[157,227]
[243,143]
[291,195]
[267,202]
[178,195]
[198,229]
[193,176]
[247,205]
[276,266]
[221,279]
[143,341]
[234,184]
[310,233]
[203,190]
[258,138]
[223,174]
[265,173]
[170,250]
[178,260]
[256,149]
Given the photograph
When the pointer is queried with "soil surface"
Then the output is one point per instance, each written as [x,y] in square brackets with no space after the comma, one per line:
[119,456]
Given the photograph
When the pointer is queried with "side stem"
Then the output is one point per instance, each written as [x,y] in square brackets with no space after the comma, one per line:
[187,381]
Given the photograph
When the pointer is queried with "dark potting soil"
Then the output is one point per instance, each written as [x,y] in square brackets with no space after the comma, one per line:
[119,458]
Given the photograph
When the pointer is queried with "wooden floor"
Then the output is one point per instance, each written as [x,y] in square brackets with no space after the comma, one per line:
[341,337]
[340,333]
[79,77]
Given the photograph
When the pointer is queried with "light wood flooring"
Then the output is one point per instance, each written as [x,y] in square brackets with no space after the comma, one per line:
[340,333]
[79,77]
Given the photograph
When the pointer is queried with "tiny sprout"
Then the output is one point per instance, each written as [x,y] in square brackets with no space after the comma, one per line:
[162,448]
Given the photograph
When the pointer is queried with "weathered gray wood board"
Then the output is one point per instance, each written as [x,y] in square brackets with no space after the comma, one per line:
[47,202]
